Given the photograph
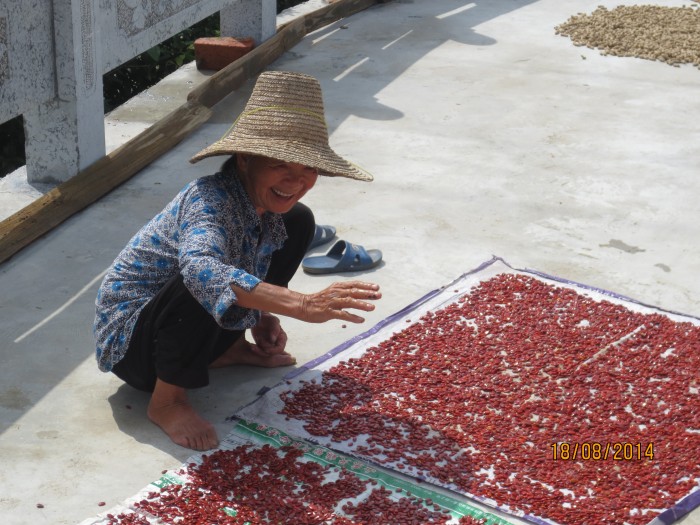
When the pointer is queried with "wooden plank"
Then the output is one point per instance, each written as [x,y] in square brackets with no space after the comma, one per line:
[230,78]
[50,210]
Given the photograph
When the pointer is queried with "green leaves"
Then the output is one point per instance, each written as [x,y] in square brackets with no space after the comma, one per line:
[154,53]
[11,145]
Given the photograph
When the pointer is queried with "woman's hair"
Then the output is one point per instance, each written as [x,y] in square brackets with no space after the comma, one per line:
[229,165]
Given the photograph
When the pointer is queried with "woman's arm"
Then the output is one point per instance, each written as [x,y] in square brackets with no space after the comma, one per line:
[319,307]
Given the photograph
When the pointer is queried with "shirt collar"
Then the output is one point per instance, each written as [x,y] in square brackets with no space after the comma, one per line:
[271,224]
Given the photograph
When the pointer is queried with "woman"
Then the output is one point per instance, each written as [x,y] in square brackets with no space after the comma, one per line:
[217,261]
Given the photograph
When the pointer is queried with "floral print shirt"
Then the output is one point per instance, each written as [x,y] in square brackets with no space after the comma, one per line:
[211,234]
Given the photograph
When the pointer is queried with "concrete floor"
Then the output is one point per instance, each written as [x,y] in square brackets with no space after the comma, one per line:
[487,134]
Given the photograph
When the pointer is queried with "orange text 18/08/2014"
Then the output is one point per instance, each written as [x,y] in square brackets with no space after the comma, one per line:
[594,451]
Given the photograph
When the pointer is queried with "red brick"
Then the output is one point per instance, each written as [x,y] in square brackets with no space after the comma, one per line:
[218,52]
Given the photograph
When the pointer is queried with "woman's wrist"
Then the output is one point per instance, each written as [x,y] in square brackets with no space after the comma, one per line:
[271,299]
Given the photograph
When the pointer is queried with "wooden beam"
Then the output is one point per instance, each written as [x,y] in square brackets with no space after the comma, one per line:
[101,177]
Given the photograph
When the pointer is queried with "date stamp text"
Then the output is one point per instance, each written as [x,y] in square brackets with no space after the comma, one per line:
[594,451]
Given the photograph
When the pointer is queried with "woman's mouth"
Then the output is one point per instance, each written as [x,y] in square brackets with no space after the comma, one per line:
[282,194]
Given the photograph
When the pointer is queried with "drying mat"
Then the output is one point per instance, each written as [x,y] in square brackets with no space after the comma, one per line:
[540,397]
[284,474]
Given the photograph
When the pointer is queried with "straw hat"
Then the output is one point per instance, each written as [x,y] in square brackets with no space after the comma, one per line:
[284,120]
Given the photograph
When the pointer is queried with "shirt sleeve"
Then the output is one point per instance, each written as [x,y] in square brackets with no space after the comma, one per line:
[210,243]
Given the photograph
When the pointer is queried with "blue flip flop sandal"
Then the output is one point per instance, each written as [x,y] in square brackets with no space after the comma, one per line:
[342,257]
[322,235]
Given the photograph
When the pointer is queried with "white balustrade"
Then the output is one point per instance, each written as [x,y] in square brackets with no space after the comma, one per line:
[53,54]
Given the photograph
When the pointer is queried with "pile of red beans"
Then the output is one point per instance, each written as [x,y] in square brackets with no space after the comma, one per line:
[543,400]
[269,485]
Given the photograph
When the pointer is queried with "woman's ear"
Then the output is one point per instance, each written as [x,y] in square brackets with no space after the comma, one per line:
[242,162]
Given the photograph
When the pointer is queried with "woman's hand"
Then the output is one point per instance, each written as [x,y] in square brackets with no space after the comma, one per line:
[319,307]
[268,335]
[333,302]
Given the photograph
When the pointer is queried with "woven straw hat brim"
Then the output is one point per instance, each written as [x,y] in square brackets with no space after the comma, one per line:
[284,120]
[318,156]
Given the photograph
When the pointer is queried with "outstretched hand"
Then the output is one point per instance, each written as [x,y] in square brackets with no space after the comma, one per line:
[334,302]
[331,303]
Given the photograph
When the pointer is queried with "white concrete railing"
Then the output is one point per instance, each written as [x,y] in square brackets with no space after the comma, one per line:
[53,54]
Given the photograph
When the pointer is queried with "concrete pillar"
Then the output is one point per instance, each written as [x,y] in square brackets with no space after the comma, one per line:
[254,18]
[65,135]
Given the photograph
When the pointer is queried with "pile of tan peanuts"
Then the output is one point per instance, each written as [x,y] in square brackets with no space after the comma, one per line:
[667,34]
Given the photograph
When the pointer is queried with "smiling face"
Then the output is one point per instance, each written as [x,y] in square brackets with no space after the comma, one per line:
[274,185]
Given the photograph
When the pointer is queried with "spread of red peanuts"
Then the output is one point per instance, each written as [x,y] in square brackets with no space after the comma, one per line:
[474,397]
[270,485]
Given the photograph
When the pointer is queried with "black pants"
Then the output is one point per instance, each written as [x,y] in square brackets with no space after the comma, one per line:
[175,339]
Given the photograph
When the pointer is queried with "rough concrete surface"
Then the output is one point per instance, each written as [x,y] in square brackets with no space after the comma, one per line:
[487,134]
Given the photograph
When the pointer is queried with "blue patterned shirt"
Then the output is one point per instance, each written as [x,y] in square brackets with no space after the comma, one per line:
[212,235]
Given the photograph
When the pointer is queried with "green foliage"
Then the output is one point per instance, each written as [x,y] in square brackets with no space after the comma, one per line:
[284,4]
[11,145]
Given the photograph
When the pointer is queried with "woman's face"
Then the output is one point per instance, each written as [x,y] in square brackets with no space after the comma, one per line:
[274,185]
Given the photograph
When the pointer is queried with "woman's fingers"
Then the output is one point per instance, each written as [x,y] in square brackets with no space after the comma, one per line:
[280,343]
[267,333]
[349,302]
[365,294]
[266,347]
[358,290]
[334,301]
[362,289]
[258,350]
[344,315]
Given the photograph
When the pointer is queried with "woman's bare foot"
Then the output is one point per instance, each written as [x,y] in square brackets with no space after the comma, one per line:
[172,412]
[241,353]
